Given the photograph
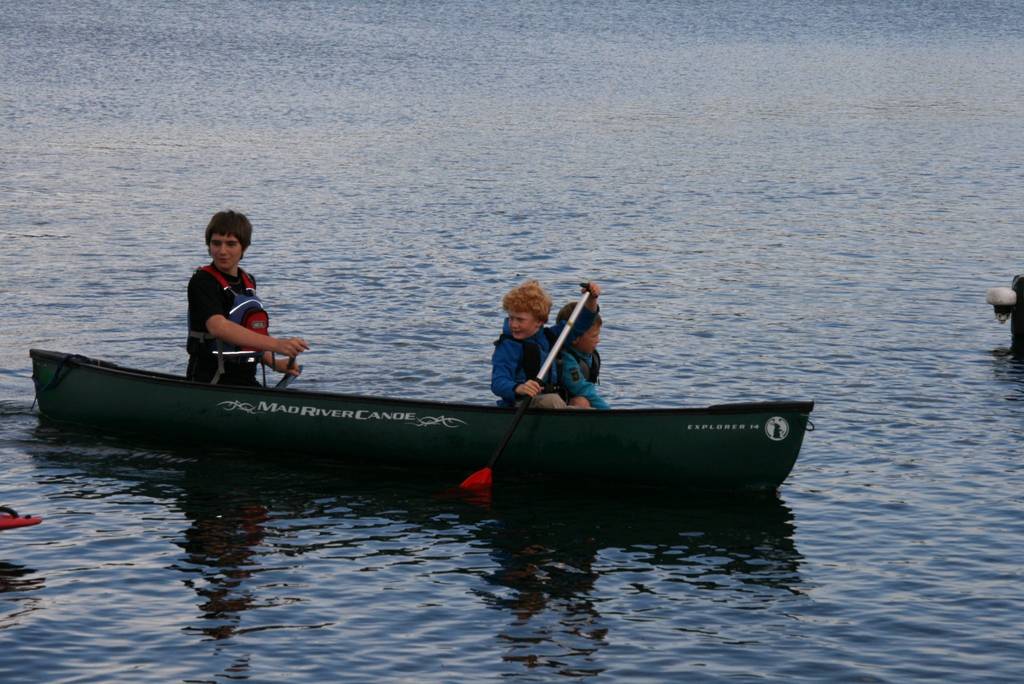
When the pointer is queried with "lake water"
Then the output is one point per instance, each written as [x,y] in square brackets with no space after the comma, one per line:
[781,200]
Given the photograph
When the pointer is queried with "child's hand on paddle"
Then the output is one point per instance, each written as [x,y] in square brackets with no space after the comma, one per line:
[530,388]
[595,291]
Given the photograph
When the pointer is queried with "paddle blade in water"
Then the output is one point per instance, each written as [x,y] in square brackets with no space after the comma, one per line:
[479,479]
[478,496]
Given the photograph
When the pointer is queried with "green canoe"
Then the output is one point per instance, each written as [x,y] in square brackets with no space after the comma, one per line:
[727,447]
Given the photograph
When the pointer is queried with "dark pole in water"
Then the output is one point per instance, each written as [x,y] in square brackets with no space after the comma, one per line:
[1017,316]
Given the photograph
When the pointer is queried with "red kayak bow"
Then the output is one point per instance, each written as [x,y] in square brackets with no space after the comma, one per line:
[10,519]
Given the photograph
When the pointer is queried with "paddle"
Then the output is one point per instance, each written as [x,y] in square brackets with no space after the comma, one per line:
[484,477]
[288,377]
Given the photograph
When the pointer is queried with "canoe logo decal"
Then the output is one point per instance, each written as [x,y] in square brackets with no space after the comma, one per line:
[776,428]
[359,414]
[446,421]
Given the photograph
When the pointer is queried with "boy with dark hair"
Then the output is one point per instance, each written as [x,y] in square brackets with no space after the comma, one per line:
[227,324]
[579,365]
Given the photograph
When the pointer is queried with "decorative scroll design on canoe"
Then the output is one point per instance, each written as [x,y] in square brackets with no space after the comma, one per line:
[236,405]
[446,421]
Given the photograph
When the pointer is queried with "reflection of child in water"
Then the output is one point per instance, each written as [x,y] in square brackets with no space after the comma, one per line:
[221,544]
[544,577]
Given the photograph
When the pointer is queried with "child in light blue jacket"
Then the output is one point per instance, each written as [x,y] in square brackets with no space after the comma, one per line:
[581,364]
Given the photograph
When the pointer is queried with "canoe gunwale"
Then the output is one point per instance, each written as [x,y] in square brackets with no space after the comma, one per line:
[68,360]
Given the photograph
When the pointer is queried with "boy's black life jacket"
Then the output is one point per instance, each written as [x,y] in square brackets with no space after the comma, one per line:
[530,360]
[247,311]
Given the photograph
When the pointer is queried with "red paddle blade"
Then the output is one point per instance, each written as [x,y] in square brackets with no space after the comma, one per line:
[479,479]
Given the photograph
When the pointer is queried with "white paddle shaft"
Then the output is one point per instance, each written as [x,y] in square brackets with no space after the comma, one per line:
[546,366]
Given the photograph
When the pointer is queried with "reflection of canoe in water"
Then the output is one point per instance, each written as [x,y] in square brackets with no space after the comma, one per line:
[724,447]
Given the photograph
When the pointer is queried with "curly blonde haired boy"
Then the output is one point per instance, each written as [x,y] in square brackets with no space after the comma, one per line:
[524,344]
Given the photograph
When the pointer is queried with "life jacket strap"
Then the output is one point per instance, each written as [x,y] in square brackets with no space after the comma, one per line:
[591,369]
[247,280]
[530,361]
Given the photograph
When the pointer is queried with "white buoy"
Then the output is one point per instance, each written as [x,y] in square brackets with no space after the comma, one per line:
[1003,299]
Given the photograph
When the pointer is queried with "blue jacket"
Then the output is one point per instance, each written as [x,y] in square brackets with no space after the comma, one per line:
[506,361]
[574,381]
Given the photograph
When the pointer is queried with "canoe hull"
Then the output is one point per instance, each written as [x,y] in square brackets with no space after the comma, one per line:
[726,447]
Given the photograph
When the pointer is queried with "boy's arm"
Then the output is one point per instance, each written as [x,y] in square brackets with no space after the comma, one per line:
[205,299]
[596,400]
[503,371]
[205,307]
[578,386]
[582,324]
[223,329]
